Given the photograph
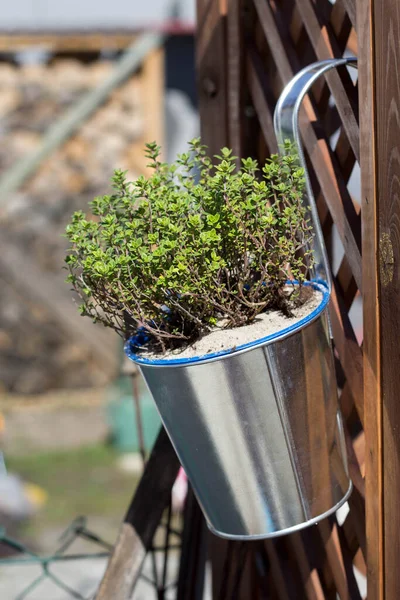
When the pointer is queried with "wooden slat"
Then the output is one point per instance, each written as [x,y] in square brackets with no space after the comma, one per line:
[141,521]
[341,24]
[386,22]
[258,91]
[345,281]
[341,28]
[277,573]
[274,40]
[351,11]
[321,429]
[220,553]
[234,83]
[372,335]
[330,539]
[348,349]
[202,9]
[232,572]
[211,75]
[348,565]
[356,521]
[352,43]
[311,581]
[306,55]
[344,156]
[193,551]
[354,465]
[295,25]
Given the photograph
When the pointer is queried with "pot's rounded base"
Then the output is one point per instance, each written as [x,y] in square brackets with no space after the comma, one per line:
[273,534]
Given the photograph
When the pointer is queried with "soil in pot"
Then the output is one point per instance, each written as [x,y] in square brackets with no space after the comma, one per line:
[219,339]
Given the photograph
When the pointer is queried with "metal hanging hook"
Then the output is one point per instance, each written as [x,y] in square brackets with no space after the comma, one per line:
[286,125]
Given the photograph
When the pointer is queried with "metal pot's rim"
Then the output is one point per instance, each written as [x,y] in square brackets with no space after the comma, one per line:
[214,356]
[288,530]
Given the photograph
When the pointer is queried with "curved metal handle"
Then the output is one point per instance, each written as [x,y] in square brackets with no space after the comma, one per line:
[286,125]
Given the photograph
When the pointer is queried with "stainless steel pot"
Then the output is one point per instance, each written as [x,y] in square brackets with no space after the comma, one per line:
[257,430]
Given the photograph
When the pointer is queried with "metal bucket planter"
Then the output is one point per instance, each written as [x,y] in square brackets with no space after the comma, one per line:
[257,429]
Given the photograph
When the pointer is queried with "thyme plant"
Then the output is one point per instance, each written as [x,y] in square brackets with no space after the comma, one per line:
[191,246]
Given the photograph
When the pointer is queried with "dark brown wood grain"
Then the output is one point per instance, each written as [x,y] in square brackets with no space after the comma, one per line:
[354,526]
[310,576]
[193,551]
[275,42]
[339,19]
[211,72]
[341,22]
[387,109]
[277,571]
[351,9]
[372,333]
[321,430]
[234,58]
[330,539]
[350,353]
[259,93]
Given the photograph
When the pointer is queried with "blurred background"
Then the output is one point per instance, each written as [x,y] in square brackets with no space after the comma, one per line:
[83,86]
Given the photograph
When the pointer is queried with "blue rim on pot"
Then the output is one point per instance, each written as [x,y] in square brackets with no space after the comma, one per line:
[257,429]
[135,342]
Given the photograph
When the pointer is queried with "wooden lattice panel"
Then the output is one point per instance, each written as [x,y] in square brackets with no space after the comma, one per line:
[240,79]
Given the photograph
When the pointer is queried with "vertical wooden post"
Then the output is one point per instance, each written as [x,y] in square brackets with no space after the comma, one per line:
[378,26]
[234,76]
[211,73]
[219,72]
[386,34]
[371,345]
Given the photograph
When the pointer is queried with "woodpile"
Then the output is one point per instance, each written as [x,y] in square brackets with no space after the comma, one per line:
[35,353]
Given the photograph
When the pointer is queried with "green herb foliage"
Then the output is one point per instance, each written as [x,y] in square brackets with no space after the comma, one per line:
[191,246]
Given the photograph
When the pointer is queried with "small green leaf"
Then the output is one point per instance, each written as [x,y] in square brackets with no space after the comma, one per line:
[180,251]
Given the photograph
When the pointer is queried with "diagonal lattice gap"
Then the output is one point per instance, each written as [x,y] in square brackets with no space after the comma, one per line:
[348,349]
[356,317]
[354,184]
[346,283]
[340,25]
[326,47]
[344,155]
[352,44]
[336,249]
[333,139]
